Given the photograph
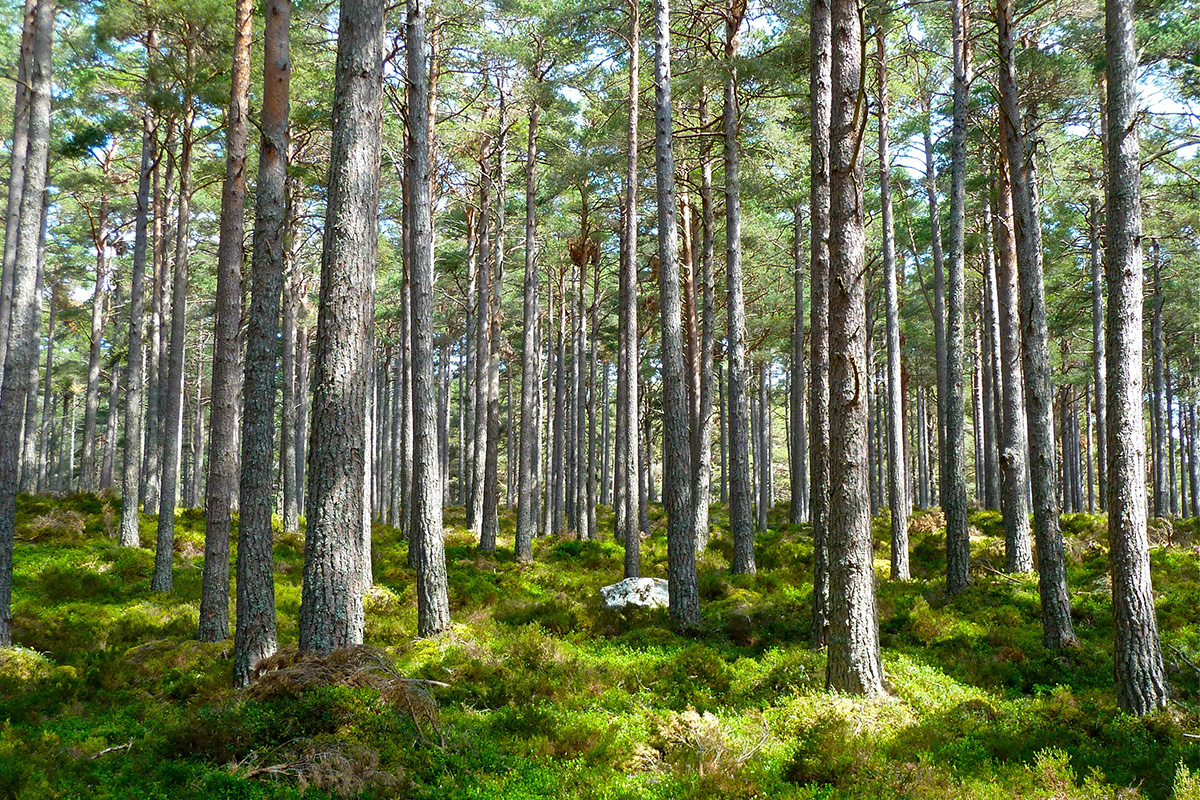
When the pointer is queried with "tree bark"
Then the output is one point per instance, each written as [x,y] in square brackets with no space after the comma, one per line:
[223,461]
[819,114]
[1159,453]
[91,405]
[681,539]
[897,489]
[332,595]
[172,417]
[854,665]
[741,522]
[255,634]
[798,508]
[483,293]
[530,362]
[433,605]
[1018,556]
[490,524]
[1137,656]
[26,315]
[1035,355]
[627,486]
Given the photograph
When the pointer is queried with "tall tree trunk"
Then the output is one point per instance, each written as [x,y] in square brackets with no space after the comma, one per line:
[1098,357]
[897,488]
[172,417]
[255,632]
[92,397]
[1159,453]
[1018,556]
[332,596]
[798,508]
[483,294]
[18,162]
[954,460]
[152,437]
[854,665]
[30,438]
[819,114]
[1137,657]
[703,424]
[45,457]
[628,493]
[490,524]
[131,456]
[433,605]
[1035,356]
[939,317]
[677,489]
[530,352]
[26,313]
[741,522]
[287,416]
[223,460]
[992,403]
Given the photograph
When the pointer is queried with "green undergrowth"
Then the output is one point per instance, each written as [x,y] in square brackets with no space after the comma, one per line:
[538,691]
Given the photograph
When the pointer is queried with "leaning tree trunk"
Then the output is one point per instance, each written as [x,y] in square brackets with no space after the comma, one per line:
[741,521]
[1035,353]
[1018,557]
[223,457]
[954,461]
[172,418]
[18,161]
[26,313]
[254,637]
[897,484]
[332,596]
[433,605]
[854,665]
[1137,657]
[681,540]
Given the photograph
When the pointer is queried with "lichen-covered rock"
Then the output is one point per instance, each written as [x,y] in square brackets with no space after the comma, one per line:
[641,592]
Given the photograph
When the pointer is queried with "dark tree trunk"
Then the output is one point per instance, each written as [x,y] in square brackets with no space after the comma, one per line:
[741,522]
[1137,657]
[677,488]
[223,460]
[854,665]
[1018,556]
[332,596]
[255,634]
[433,605]
[1052,573]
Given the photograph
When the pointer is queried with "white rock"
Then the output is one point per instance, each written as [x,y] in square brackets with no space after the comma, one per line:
[641,592]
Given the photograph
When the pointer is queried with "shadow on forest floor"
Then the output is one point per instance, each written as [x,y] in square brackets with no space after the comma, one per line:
[539,691]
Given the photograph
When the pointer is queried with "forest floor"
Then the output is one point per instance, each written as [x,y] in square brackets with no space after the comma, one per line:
[538,691]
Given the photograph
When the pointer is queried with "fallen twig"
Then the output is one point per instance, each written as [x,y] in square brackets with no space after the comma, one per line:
[113,749]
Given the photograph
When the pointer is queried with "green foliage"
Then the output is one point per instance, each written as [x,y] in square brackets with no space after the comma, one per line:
[538,691]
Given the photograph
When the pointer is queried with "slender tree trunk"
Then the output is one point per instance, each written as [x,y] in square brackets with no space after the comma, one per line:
[332,595]
[530,366]
[490,524]
[196,441]
[1137,657]
[1157,405]
[798,508]
[92,397]
[18,163]
[45,456]
[152,436]
[854,665]
[741,523]
[287,362]
[1052,574]
[26,313]
[162,580]
[992,403]
[820,110]
[30,438]
[223,461]
[681,539]
[483,293]
[1018,556]
[895,412]
[255,636]
[131,457]
[605,437]
[628,482]
[433,606]
[939,319]
[1098,354]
